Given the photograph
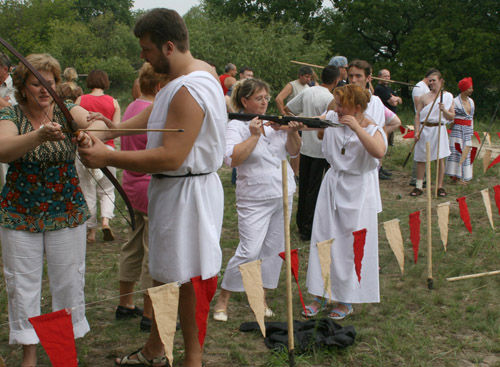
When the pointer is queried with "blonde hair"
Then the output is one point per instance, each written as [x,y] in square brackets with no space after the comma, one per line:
[148,79]
[41,62]
[70,74]
[246,88]
[351,95]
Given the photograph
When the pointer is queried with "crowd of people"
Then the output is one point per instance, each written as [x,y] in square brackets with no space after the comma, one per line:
[48,203]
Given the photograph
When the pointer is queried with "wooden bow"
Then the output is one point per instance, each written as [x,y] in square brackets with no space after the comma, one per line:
[72,125]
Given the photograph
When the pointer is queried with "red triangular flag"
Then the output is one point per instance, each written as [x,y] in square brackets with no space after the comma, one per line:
[497,159]
[449,131]
[464,212]
[458,148]
[476,134]
[473,153]
[55,331]
[205,291]
[415,233]
[498,135]
[497,196]
[409,135]
[359,250]
[402,129]
[294,260]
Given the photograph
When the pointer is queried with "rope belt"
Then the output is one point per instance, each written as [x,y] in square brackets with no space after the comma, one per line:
[161,175]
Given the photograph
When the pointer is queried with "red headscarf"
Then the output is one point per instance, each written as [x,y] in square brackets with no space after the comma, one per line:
[465,84]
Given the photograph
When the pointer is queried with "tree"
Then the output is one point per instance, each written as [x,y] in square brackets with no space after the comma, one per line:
[89,9]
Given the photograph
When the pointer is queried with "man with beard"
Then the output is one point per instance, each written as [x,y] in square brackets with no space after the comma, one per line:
[434,131]
[186,199]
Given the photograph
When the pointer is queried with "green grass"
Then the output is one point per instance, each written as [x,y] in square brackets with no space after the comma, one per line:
[455,324]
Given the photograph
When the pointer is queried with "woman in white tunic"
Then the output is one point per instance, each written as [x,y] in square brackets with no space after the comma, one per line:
[256,150]
[348,201]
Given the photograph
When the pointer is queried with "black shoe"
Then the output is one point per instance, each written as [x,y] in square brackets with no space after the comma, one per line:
[127,313]
[145,324]
[385,172]
[381,176]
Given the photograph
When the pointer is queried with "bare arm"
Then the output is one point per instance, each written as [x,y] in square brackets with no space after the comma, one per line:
[243,150]
[374,145]
[280,98]
[419,105]
[184,113]
[293,141]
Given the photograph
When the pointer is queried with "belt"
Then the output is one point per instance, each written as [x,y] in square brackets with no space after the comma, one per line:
[433,124]
[463,122]
[161,175]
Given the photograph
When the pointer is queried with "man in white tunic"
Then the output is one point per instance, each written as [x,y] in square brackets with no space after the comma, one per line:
[431,132]
[185,194]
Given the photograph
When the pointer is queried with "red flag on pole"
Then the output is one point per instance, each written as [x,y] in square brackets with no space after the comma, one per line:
[359,250]
[415,233]
[205,291]
[464,212]
[495,161]
[294,260]
[476,134]
[497,196]
[458,148]
[473,153]
[55,331]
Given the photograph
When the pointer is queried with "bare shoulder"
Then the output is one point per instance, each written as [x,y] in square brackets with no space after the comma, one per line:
[200,65]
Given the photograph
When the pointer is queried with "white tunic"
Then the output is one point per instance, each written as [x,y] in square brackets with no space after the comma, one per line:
[348,201]
[432,134]
[259,203]
[185,213]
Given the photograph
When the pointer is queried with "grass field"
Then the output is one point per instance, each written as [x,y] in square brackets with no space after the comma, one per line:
[455,324]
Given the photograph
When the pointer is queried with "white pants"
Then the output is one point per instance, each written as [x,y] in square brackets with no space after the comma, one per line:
[22,254]
[262,236]
[101,189]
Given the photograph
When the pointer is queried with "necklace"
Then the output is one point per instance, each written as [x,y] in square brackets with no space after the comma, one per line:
[345,142]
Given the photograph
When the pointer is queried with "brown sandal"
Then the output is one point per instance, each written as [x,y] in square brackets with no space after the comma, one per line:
[416,192]
[441,193]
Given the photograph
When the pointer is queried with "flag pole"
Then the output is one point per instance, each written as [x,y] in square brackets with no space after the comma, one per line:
[430,281]
[288,264]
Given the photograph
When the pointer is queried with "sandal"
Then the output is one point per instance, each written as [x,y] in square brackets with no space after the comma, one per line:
[220,315]
[340,314]
[441,192]
[416,192]
[312,310]
[268,312]
[141,360]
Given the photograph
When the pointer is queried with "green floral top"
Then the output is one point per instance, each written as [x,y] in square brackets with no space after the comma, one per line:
[42,191]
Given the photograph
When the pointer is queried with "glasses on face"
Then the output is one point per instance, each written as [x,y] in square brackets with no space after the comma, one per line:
[261,99]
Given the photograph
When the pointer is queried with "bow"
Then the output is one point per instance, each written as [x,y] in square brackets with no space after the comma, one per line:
[72,125]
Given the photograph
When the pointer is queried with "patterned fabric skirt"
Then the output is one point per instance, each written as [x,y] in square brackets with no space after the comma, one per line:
[460,137]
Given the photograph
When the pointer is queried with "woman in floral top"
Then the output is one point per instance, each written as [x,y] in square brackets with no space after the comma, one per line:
[42,209]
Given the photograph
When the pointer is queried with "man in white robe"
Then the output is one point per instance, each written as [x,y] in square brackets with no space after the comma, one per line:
[434,131]
[185,194]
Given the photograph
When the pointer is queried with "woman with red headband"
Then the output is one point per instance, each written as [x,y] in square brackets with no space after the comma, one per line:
[461,134]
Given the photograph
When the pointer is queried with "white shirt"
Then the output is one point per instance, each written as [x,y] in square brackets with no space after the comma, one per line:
[311,102]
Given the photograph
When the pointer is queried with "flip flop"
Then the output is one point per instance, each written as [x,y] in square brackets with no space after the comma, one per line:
[220,315]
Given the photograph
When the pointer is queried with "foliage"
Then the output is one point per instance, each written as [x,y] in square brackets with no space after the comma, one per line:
[89,9]
[266,49]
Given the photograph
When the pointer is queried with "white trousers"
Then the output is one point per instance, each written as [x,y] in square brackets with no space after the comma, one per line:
[102,190]
[262,236]
[22,254]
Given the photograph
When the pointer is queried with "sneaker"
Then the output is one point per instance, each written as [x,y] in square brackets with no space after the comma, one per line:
[385,172]
[145,324]
[382,176]
[122,313]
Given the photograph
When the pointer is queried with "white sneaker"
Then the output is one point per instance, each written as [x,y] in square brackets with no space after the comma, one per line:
[268,312]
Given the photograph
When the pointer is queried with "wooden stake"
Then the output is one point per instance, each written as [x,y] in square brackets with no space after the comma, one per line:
[288,264]
[430,281]
[437,153]
[373,77]
[470,276]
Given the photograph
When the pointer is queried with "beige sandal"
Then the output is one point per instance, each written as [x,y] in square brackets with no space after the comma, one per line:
[142,360]
[220,315]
